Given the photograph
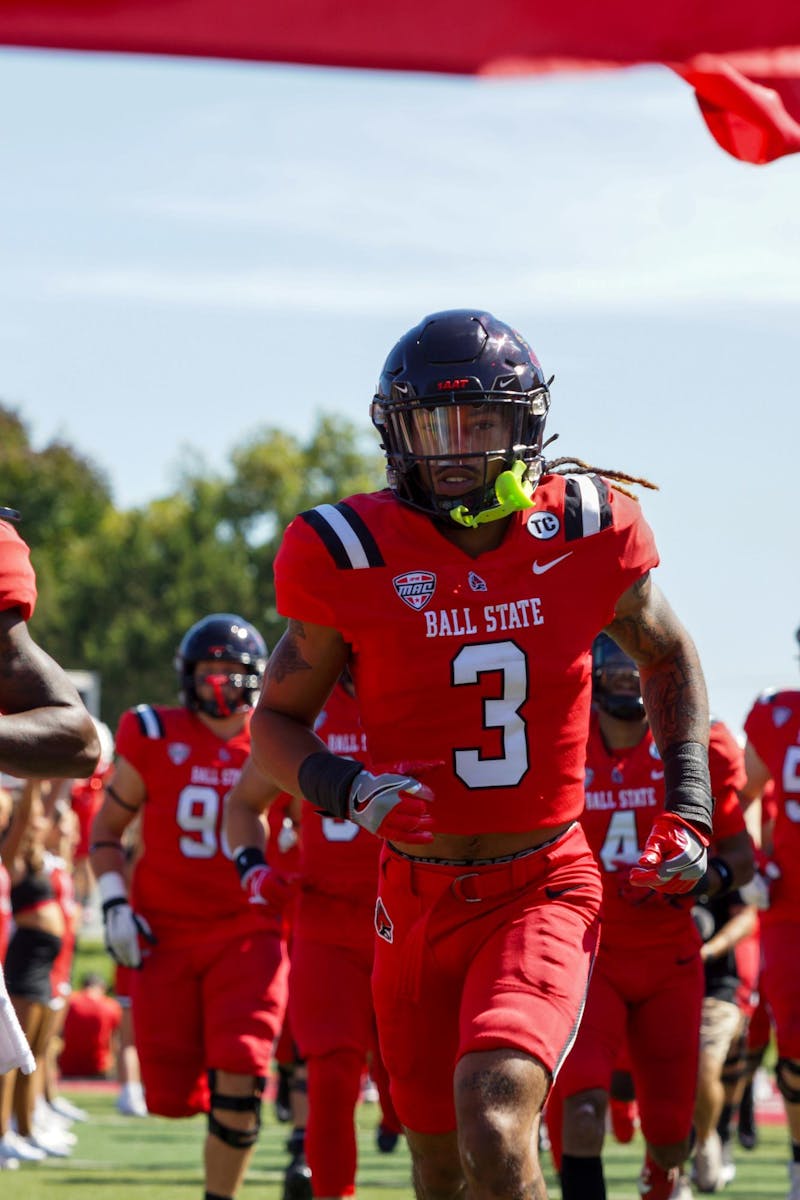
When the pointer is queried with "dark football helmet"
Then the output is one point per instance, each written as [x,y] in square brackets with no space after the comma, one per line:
[615,681]
[228,638]
[462,388]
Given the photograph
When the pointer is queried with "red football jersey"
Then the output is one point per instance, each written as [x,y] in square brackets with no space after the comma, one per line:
[338,858]
[89,1026]
[17,580]
[773,727]
[480,666]
[184,876]
[624,793]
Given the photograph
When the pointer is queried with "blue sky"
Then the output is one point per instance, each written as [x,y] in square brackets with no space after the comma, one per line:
[191,251]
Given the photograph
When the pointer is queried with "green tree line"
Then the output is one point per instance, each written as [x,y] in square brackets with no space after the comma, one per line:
[119,588]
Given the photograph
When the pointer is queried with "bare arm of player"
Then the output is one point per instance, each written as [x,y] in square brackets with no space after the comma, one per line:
[674,858]
[247,802]
[758,775]
[673,685]
[247,832]
[45,730]
[125,793]
[301,673]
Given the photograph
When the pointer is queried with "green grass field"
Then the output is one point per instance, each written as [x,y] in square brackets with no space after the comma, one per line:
[124,1158]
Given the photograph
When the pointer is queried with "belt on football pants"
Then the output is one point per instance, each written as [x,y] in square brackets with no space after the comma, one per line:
[496,878]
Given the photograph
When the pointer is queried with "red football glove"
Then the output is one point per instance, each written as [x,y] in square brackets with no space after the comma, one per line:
[395,807]
[674,856]
[267,887]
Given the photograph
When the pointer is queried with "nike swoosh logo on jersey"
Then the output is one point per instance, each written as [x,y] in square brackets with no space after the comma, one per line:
[540,568]
[555,893]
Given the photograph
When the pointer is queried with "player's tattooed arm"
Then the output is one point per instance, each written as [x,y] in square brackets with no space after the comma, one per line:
[302,670]
[673,686]
[287,657]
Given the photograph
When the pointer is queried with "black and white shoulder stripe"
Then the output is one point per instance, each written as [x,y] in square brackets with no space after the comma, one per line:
[150,722]
[346,537]
[587,507]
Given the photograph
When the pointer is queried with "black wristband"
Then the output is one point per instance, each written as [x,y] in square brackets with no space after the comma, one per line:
[701,888]
[688,784]
[325,780]
[247,858]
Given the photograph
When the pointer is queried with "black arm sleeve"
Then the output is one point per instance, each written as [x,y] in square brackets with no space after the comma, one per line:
[325,780]
[688,784]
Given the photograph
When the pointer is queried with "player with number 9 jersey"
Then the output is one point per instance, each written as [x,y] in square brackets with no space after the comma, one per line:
[209,992]
[184,876]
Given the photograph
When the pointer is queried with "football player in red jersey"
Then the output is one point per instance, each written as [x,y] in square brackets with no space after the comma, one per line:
[465,598]
[210,993]
[333,939]
[45,731]
[648,974]
[772,752]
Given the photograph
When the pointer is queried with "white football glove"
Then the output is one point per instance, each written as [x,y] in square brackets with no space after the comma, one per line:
[122,927]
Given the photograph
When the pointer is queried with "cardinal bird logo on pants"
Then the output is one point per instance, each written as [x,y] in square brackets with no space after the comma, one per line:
[383,925]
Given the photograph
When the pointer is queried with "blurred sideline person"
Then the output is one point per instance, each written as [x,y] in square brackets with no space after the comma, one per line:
[772,753]
[464,598]
[745,1059]
[648,975]
[722,922]
[91,1031]
[209,994]
[332,939]
[45,730]
[37,938]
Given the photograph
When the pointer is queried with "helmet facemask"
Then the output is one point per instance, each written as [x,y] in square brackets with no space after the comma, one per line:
[236,646]
[224,682]
[462,390]
[491,440]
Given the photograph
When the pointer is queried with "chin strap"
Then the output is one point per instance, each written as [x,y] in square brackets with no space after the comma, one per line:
[512,492]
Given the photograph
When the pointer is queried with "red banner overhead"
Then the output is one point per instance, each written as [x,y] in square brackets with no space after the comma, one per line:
[742,58]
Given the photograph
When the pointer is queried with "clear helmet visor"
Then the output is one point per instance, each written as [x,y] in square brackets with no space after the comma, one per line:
[457,430]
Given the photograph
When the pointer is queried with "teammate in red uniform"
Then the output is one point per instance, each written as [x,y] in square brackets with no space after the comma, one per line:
[90,1030]
[45,730]
[772,752]
[648,975]
[465,603]
[210,995]
[333,939]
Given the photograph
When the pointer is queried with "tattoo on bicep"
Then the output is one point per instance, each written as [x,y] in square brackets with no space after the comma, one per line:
[287,657]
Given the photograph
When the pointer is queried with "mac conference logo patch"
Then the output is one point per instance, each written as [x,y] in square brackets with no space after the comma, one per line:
[415,588]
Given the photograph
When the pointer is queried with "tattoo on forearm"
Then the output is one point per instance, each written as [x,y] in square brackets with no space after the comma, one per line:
[673,686]
[287,657]
[675,699]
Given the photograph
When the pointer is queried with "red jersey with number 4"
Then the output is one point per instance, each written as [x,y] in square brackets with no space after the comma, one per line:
[773,727]
[184,876]
[479,665]
[624,794]
[17,580]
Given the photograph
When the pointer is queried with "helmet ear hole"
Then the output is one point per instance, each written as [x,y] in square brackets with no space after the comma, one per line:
[223,637]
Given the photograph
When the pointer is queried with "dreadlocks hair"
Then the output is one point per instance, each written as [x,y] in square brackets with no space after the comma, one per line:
[576,466]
